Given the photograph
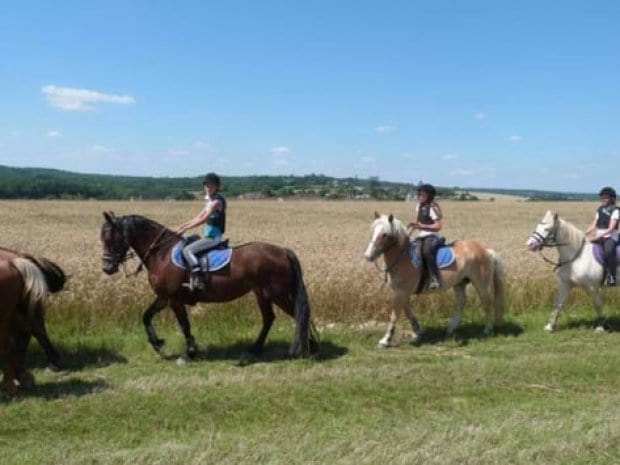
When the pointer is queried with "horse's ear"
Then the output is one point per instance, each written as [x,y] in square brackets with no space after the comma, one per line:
[108,217]
[376,215]
[555,217]
[391,218]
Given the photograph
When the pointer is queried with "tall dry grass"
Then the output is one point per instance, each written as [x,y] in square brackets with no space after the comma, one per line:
[329,237]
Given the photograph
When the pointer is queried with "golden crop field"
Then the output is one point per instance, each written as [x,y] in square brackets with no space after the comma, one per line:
[329,237]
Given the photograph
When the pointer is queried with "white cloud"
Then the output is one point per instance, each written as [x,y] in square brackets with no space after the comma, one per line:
[449,156]
[70,99]
[386,129]
[200,145]
[515,138]
[367,159]
[280,151]
[280,162]
[54,134]
[99,149]
[480,115]
[463,172]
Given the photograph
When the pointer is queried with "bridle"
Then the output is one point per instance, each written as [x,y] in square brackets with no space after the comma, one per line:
[389,245]
[117,258]
[551,241]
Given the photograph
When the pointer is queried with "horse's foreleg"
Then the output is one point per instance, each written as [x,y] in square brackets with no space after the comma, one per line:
[6,344]
[460,298]
[413,321]
[39,331]
[17,357]
[157,306]
[181,313]
[559,305]
[386,341]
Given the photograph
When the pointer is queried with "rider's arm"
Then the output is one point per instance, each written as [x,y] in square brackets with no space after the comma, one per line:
[199,219]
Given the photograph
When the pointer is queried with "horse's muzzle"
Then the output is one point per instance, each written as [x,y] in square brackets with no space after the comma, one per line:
[109,268]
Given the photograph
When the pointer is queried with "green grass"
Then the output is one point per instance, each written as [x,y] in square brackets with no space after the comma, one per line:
[522,397]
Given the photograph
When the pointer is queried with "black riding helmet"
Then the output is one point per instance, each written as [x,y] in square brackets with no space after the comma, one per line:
[429,189]
[211,178]
[609,192]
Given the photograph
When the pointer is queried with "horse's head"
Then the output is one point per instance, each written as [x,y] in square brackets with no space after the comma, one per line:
[114,241]
[545,232]
[385,234]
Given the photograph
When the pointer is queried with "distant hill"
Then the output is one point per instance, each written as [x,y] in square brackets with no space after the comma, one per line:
[41,183]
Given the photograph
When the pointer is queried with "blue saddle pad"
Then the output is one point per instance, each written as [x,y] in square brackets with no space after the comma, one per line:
[218,258]
[443,256]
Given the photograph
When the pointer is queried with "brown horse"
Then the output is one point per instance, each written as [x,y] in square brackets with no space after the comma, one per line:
[25,283]
[272,273]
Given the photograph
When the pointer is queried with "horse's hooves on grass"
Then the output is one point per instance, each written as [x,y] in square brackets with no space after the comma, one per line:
[26,380]
[52,368]
[549,328]
[247,358]
[600,329]
[182,360]
[383,345]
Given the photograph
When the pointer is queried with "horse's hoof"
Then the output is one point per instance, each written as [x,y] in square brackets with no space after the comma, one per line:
[383,345]
[192,352]
[26,380]
[415,339]
[158,344]
[549,328]
[52,368]
[488,332]
[600,329]
[9,388]
[181,361]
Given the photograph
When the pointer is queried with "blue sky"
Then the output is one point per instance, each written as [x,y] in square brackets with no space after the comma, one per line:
[459,93]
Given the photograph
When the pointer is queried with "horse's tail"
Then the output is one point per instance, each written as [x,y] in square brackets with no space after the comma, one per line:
[303,338]
[41,277]
[498,287]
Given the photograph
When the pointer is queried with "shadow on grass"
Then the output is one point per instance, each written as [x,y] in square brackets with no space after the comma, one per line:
[611,323]
[76,359]
[57,389]
[274,351]
[467,332]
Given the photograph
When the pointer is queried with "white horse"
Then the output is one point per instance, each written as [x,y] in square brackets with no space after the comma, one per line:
[482,267]
[576,266]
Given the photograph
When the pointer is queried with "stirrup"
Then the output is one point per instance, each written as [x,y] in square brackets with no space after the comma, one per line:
[434,284]
[611,281]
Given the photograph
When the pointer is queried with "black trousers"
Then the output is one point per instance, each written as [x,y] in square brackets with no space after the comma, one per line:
[427,246]
[609,247]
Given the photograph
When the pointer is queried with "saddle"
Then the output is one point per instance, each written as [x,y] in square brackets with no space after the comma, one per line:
[599,254]
[444,257]
[211,259]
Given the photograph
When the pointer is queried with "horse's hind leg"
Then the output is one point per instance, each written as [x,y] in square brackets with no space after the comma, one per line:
[559,305]
[599,325]
[487,304]
[39,331]
[460,298]
[181,314]
[157,306]
[266,310]
[6,345]
[17,357]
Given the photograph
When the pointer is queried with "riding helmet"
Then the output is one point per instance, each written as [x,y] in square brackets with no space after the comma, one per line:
[609,192]
[211,178]
[429,189]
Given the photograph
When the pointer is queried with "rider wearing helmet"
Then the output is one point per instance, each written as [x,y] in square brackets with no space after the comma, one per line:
[428,222]
[605,229]
[213,216]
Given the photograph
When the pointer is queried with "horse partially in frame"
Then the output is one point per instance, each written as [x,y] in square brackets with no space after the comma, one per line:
[473,264]
[576,267]
[272,273]
[25,284]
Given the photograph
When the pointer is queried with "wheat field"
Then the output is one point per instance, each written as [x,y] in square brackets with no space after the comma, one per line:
[329,237]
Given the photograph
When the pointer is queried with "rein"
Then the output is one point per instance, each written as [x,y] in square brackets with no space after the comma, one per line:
[150,249]
[550,241]
[389,268]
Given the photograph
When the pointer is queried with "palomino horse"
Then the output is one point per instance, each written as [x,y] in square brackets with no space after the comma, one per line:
[25,283]
[272,273]
[473,263]
[577,266]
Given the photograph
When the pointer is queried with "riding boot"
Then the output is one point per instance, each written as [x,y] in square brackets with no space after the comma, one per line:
[196,280]
[429,246]
[609,247]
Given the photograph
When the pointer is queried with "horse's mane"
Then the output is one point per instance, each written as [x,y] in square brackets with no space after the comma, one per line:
[570,232]
[396,227]
[139,222]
